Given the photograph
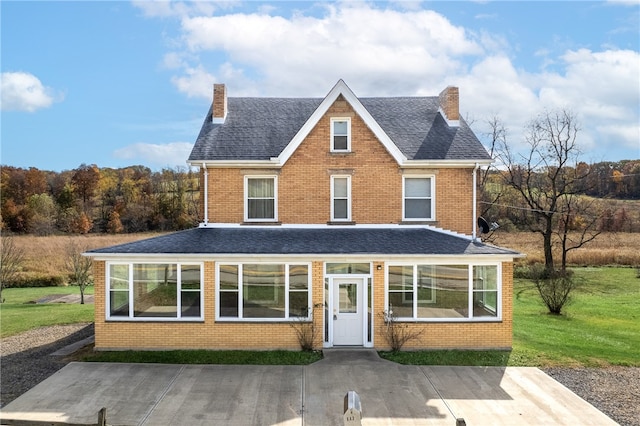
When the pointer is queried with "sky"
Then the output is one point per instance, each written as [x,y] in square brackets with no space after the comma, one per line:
[117,83]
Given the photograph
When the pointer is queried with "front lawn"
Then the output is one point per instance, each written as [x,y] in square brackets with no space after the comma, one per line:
[20,313]
[600,327]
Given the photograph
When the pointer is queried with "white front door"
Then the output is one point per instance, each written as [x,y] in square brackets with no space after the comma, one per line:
[348,311]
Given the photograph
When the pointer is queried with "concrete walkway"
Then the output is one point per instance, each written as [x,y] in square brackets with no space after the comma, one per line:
[391,394]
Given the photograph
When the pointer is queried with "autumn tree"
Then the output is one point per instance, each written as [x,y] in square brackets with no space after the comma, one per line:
[85,182]
[114,225]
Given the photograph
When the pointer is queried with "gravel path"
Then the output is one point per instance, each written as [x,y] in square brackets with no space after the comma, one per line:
[26,361]
[26,358]
[615,390]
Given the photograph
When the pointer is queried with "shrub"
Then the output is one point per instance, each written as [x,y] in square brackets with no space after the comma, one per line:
[396,333]
[555,289]
[306,331]
[36,281]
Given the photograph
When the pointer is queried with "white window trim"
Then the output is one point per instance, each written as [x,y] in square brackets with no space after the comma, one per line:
[275,198]
[470,317]
[286,317]
[348,120]
[131,317]
[333,217]
[433,198]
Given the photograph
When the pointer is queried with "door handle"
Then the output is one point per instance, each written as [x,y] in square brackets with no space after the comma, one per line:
[335,317]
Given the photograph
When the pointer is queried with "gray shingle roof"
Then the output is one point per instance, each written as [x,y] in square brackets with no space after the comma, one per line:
[312,241]
[260,128]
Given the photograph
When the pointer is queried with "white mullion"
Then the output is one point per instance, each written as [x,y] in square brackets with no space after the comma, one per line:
[131,290]
[286,291]
[309,294]
[179,290]
[471,290]
[415,291]
[240,291]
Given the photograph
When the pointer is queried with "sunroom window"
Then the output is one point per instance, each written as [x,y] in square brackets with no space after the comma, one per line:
[263,291]
[154,291]
[443,292]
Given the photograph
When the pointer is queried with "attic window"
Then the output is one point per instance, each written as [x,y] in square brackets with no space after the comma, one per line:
[340,135]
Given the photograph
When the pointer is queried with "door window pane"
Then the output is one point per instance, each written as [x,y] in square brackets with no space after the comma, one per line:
[348,298]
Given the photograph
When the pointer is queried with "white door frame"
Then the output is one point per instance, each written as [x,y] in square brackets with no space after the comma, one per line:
[362,303]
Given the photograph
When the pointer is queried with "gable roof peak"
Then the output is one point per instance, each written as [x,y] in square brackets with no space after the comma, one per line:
[341,88]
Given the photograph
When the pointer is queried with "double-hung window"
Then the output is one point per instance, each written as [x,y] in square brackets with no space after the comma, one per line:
[418,203]
[264,291]
[340,135]
[444,292]
[340,198]
[154,291]
[261,198]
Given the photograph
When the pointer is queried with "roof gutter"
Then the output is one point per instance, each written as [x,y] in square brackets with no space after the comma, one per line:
[212,164]
[445,163]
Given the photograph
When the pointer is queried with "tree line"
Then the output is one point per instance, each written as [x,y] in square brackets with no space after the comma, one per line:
[102,200]
[137,199]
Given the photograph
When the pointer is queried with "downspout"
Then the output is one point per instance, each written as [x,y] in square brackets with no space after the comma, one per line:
[206,194]
[475,202]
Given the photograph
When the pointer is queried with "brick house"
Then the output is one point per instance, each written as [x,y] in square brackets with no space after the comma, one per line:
[326,211]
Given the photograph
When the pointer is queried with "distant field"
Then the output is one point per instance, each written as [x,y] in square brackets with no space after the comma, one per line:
[45,256]
[606,250]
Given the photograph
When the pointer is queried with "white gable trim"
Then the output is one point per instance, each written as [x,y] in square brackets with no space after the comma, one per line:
[341,88]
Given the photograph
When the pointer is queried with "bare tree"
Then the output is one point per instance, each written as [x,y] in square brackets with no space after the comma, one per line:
[11,259]
[551,184]
[491,194]
[79,268]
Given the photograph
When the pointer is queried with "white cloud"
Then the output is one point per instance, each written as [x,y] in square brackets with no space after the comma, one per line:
[419,53]
[22,91]
[196,82]
[303,52]
[161,155]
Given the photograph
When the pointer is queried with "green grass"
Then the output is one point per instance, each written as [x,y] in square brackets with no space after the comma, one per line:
[600,327]
[19,313]
[207,357]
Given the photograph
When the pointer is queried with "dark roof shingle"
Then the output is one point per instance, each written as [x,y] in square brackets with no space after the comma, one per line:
[307,241]
[260,129]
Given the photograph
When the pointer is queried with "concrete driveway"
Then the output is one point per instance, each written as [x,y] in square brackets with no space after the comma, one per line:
[391,394]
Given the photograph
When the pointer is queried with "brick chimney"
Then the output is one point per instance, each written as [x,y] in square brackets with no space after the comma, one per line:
[449,104]
[219,103]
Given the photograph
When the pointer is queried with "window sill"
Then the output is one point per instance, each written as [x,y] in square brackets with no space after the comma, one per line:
[341,222]
[419,222]
[263,320]
[265,223]
[155,320]
[448,320]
